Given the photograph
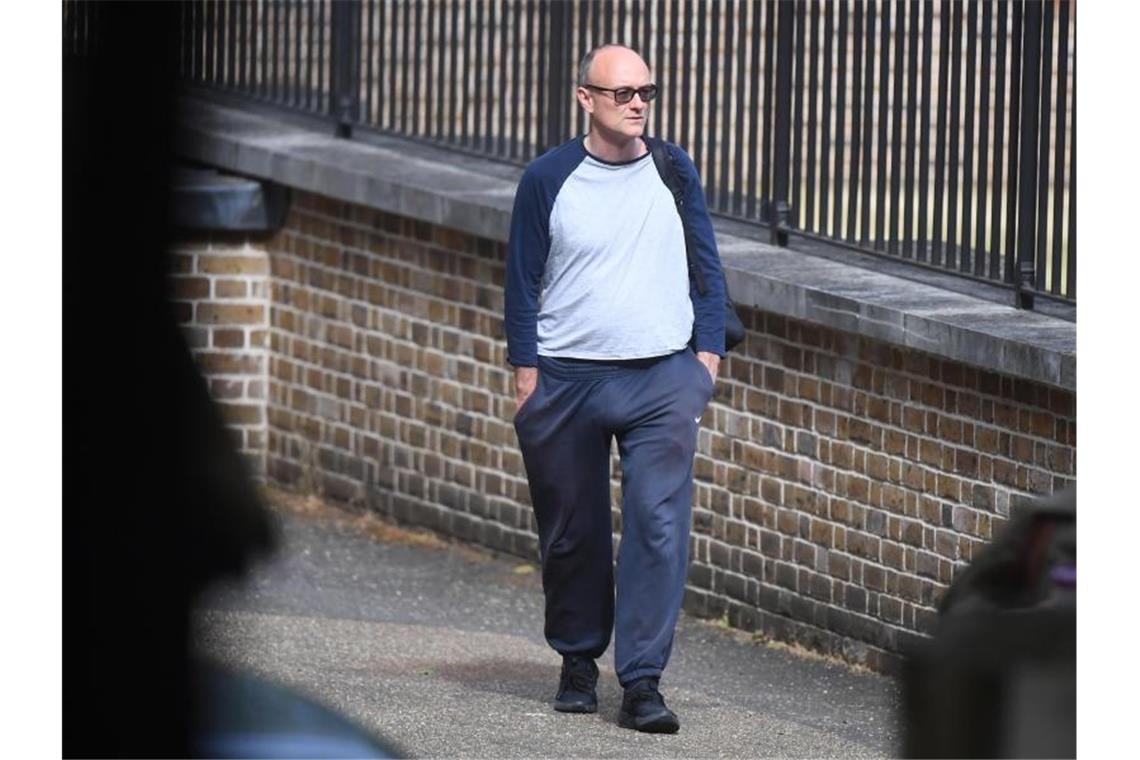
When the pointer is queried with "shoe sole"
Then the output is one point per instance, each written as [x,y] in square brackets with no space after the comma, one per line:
[659,724]
[574,707]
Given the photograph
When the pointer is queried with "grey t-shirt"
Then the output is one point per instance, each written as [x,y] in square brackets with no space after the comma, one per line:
[616,283]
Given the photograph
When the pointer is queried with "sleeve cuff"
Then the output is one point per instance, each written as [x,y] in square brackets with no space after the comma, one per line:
[523,361]
[711,343]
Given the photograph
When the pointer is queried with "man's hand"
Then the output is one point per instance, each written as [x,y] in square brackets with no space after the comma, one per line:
[526,380]
[711,362]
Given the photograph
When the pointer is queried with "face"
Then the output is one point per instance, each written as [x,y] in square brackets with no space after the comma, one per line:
[614,68]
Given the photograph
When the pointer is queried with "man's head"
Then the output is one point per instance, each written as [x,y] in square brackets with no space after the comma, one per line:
[603,70]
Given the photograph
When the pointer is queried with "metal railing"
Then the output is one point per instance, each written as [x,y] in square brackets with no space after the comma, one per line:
[938,133]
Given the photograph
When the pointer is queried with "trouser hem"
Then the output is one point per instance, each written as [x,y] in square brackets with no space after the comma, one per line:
[625,679]
[589,654]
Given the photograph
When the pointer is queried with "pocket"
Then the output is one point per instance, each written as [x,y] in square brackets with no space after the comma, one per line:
[526,405]
[709,383]
[519,411]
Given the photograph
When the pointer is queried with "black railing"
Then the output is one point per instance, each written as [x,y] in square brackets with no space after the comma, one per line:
[939,133]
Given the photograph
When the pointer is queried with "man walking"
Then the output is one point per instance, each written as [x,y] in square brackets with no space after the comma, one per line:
[609,338]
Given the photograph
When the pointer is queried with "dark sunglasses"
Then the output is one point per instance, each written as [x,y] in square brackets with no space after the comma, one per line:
[623,95]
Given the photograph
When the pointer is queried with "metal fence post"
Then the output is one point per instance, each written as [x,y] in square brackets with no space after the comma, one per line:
[345,103]
[557,96]
[1024,277]
[779,209]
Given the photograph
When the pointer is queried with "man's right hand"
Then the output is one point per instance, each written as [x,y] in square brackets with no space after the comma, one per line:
[526,380]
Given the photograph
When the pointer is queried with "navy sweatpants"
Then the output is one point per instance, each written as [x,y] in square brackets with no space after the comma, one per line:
[653,407]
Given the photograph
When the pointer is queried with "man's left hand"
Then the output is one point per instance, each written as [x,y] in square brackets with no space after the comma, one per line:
[711,362]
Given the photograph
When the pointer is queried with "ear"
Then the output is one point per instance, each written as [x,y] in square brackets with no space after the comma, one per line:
[585,99]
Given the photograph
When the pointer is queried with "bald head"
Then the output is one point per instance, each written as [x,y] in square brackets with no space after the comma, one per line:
[615,90]
[605,62]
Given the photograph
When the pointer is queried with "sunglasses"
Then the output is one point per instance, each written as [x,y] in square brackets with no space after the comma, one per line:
[623,95]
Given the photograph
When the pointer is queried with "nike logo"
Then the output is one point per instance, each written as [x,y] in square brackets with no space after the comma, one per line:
[697,420]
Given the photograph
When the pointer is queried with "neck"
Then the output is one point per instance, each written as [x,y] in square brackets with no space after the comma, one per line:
[614,148]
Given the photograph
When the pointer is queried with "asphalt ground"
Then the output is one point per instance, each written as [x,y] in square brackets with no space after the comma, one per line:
[437,648]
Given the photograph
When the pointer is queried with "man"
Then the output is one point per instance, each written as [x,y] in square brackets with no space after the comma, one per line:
[609,338]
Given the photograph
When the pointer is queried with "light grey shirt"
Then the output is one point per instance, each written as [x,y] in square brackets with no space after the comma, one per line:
[616,282]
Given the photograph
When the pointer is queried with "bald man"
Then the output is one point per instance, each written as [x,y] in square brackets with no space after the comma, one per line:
[610,338]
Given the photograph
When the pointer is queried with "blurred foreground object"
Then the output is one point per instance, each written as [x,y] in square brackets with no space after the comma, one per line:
[999,678]
[245,717]
[158,503]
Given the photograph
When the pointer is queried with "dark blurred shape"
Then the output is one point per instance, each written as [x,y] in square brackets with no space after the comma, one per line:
[206,199]
[157,501]
[247,717]
[998,679]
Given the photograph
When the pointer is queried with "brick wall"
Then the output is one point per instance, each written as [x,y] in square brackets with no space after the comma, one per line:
[841,481]
[221,288]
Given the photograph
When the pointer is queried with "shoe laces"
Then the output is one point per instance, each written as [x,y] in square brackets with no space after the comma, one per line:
[578,675]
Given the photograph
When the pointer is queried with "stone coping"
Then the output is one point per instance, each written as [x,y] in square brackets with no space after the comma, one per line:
[475,195]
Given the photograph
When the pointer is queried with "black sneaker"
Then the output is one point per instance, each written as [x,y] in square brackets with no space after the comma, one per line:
[643,708]
[576,687]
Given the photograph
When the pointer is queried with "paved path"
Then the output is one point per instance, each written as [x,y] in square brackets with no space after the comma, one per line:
[438,648]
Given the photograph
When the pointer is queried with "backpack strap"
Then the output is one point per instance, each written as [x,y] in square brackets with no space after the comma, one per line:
[663,160]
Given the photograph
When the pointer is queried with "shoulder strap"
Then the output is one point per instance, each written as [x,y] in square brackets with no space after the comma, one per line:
[665,168]
[668,171]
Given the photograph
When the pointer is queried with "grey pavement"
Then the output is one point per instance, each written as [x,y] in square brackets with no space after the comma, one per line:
[437,648]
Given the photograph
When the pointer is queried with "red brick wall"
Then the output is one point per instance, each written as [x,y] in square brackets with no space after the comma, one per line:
[844,481]
[841,481]
[221,287]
